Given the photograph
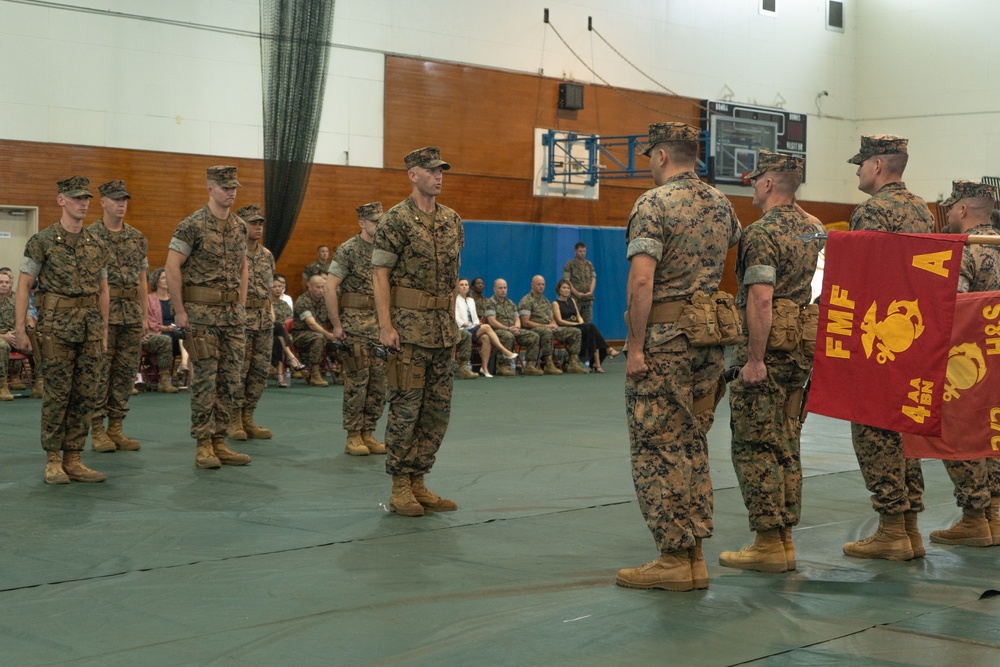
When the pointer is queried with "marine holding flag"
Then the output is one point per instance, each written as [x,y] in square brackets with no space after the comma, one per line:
[977,482]
[774,269]
[896,483]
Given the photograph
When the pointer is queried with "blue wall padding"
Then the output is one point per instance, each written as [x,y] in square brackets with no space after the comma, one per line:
[517,251]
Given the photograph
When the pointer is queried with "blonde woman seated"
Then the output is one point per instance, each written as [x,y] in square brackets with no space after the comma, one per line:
[593,347]
[468,319]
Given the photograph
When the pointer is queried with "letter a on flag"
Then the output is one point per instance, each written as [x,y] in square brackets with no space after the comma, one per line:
[885,328]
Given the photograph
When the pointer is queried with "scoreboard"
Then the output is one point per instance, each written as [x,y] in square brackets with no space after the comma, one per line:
[737,131]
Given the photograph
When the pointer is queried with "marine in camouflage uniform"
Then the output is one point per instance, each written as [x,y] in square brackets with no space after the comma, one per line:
[896,482]
[582,279]
[71,265]
[536,316]
[351,303]
[977,482]
[501,314]
[126,318]
[207,278]
[259,330]
[310,320]
[765,403]
[318,266]
[6,329]
[678,236]
[416,257]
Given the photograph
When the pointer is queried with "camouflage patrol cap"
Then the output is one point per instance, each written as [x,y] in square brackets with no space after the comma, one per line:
[428,157]
[223,175]
[372,211]
[77,186]
[768,161]
[114,190]
[965,189]
[659,132]
[251,214]
[879,144]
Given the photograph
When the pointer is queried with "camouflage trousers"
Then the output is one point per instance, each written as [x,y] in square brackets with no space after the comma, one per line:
[528,340]
[162,348]
[975,482]
[765,445]
[365,389]
[586,309]
[253,372]
[896,482]
[116,376]
[463,351]
[216,376]
[4,359]
[69,397]
[418,417]
[313,346]
[669,443]
[568,336]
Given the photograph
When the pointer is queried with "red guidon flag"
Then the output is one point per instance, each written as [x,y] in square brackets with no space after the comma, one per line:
[885,329]
[971,412]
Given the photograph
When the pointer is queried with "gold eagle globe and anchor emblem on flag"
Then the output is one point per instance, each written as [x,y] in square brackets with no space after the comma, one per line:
[902,325]
[966,369]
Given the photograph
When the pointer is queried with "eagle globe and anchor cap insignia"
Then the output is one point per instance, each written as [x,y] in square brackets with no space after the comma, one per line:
[902,325]
[966,369]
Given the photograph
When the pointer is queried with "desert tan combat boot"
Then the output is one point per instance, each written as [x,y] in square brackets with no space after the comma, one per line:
[166,385]
[374,446]
[316,377]
[253,430]
[786,542]
[99,440]
[503,370]
[355,445]
[38,388]
[465,373]
[401,500]
[236,431]
[226,456]
[77,472]
[574,365]
[54,473]
[670,572]
[5,394]
[430,500]
[204,456]
[766,554]
[531,368]
[550,369]
[993,519]
[699,571]
[888,542]
[122,441]
[972,530]
[912,532]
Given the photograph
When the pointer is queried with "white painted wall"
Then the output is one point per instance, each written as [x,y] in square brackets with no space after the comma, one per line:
[75,77]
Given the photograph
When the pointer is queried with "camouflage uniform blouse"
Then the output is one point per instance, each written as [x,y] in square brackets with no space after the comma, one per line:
[260,275]
[980,270]
[127,250]
[306,306]
[282,311]
[536,308]
[425,257]
[580,274]
[215,249]
[893,209]
[503,309]
[770,254]
[7,314]
[71,265]
[688,227]
[315,268]
[352,263]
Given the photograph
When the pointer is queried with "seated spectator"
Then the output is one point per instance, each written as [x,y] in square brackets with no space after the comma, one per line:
[6,332]
[501,314]
[309,332]
[157,344]
[282,347]
[536,314]
[284,291]
[168,328]
[566,313]
[468,320]
[476,288]
[463,356]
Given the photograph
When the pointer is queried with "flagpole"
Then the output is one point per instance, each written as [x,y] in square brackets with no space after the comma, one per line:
[982,239]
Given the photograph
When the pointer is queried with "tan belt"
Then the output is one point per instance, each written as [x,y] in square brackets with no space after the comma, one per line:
[53,301]
[414,299]
[355,300]
[258,303]
[208,295]
[123,294]
[665,312]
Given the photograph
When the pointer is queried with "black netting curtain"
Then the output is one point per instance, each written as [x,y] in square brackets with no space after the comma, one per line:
[294,52]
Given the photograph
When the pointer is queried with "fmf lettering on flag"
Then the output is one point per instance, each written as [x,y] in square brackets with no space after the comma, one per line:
[971,412]
[885,328]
